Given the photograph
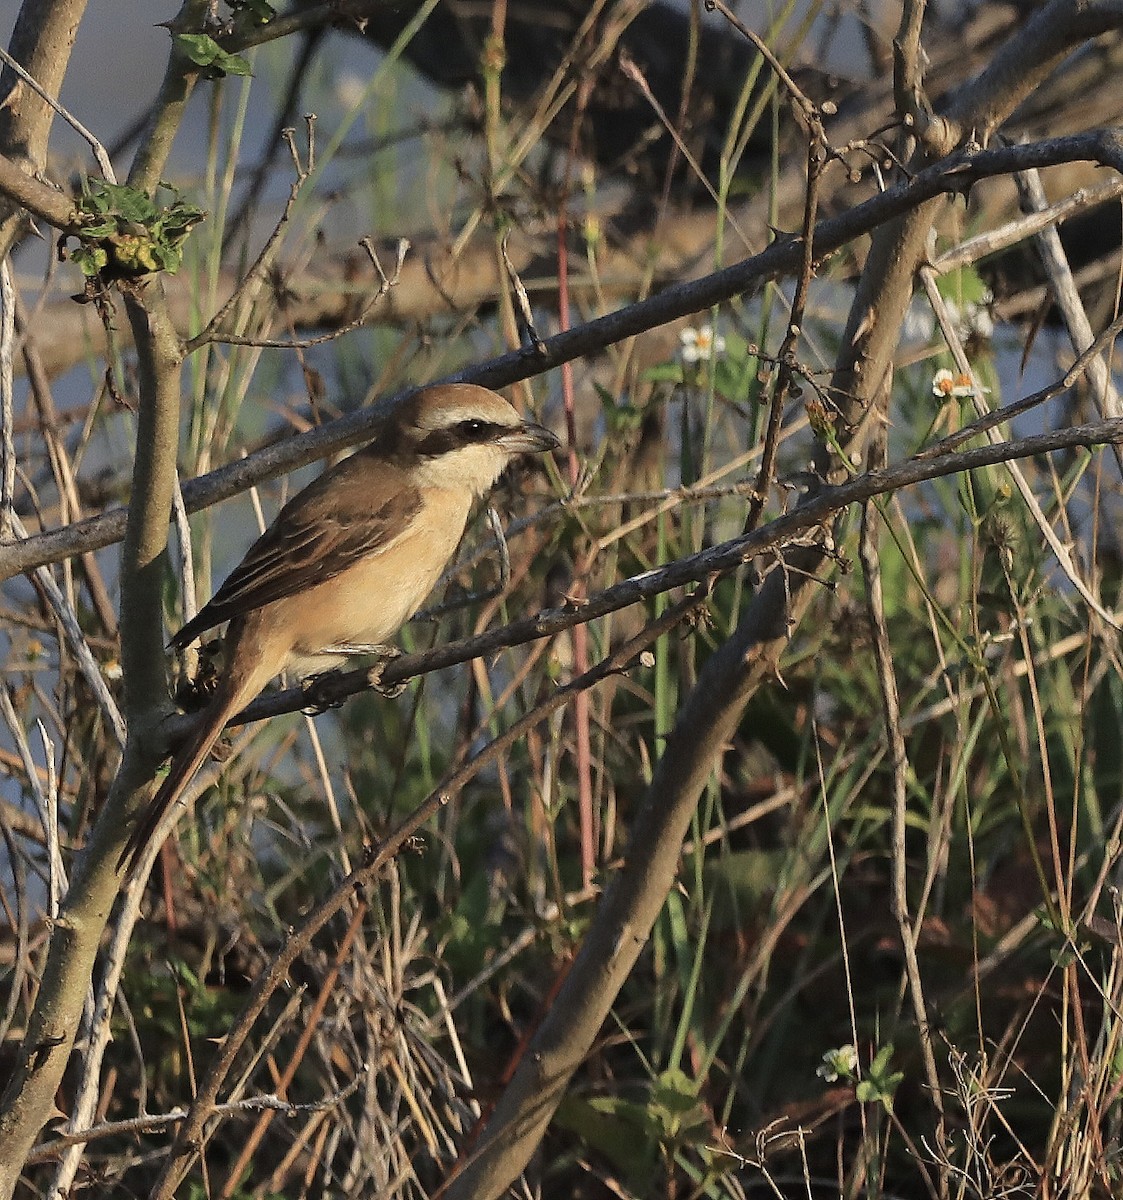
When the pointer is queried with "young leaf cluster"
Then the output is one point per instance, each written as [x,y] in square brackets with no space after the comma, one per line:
[126,234]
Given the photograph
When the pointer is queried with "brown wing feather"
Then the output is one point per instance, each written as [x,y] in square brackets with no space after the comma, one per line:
[305,545]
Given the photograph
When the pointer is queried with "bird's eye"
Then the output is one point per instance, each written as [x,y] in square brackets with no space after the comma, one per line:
[474,430]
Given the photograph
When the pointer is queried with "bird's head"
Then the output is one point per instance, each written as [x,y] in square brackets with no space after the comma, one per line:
[464,435]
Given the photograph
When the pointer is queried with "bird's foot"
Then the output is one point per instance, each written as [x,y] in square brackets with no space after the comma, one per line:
[322,691]
[386,655]
[194,694]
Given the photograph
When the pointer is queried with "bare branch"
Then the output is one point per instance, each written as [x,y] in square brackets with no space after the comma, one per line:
[41,42]
[105,166]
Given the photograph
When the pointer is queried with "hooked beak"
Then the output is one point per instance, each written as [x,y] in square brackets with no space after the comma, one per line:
[529,438]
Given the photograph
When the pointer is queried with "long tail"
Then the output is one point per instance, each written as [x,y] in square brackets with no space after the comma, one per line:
[188,759]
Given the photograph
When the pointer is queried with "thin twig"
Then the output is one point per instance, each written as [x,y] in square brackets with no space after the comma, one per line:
[47,797]
[582,718]
[1067,298]
[526,314]
[286,109]
[50,427]
[800,102]
[385,284]
[785,376]
[261,265]
[185,564]
[326,989]
[79,646]
[100,154]
[156,1121]
[98,1032]
[328,791]
[7,408]
[632,72]
[870,556]
[45,794]
[991,241]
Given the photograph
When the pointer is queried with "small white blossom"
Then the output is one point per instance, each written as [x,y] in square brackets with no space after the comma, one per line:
[972,317]
[350,90]
[836,1063]
[946,383]
[700,345]
[977,317]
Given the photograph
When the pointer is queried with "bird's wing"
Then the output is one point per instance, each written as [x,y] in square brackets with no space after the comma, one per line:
[352,511]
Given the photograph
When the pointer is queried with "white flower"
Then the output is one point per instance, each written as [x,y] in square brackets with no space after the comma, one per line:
[972,317]
[977,319]
[945,384]
[840,1062]
[350,90]
[700,345]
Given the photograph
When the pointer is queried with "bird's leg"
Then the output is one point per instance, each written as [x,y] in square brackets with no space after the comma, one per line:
[350,649]
[384,654]
[316,685]
[196,693]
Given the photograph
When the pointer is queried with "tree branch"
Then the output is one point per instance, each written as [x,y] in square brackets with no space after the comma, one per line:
[956,174]
[53,1025]
[805,523]
[42,40]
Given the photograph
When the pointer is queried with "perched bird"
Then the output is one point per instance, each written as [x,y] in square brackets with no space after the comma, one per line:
[350,558]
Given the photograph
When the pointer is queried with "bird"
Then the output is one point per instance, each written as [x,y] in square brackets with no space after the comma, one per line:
[349,559]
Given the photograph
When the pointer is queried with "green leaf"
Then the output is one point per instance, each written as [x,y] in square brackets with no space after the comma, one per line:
[200,48]
[964,286]
[674,1102]
[89,259]
[1116,1066]
[880,1082]
[125,233]
[129,203]
[99,229]
[620,419]
[676,1091]
[178,221]
[134,253]
[204,51]
[1066,955]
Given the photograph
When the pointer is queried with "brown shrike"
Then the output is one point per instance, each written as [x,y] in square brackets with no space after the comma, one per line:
[350,558]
